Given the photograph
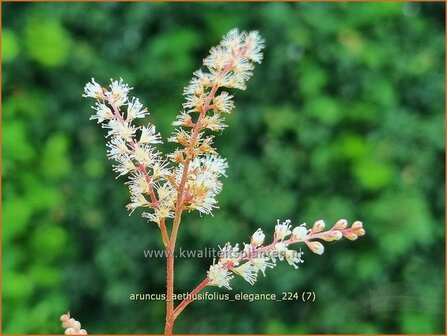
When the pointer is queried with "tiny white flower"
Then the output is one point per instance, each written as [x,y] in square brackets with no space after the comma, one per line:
[137,183]
[261,263]
[203,184]
[160,169]
[117,147]
[195,102]
[198,84]
[247,251]
[219,276]
[223,102]
[165,192]
[145,155]
[214,123]
[137,200]
[218,58]
[194,88]
[248,271]
[254,45]
[257,238]
[230,254]
[121,129]
[215,164]
[183,119]
[103,112]
[149,135]
[124,165]
[93,90]
[300,232]
[282,230]
[135,109]
[118,92]
[294,258]
[279,251]
[224,80]
[243,69]
[233,39]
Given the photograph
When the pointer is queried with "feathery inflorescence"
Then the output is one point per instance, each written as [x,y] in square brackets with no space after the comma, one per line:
[188,178]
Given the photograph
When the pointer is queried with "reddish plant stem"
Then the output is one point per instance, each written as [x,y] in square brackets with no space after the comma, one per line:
[191,298]
[169,290]
[164,233]
[177,218]
[170,317]
[181,188]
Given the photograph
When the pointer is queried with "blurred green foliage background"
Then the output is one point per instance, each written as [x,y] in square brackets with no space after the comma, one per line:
[344,118]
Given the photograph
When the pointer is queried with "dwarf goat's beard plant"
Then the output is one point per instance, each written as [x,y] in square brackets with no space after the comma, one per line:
[189,178]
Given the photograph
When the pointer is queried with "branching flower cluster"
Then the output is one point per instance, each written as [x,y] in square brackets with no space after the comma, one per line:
[132,148]
[189,178]
[192,180]
[255,258]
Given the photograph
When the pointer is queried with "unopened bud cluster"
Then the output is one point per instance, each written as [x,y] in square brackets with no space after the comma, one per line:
[256,257]
[71,326]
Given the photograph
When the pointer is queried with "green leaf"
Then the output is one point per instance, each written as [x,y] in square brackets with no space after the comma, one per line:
[16,286]
[47,41]
[324,109]
[15,143]
[55,162]
[15,218]
[312,78]
[351,146]
[10,45]
[48,240]
[373,174]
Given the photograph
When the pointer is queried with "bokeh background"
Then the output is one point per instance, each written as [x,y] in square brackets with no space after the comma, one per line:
[343,119]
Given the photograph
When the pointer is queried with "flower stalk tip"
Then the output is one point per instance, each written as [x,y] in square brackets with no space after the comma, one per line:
[71,326]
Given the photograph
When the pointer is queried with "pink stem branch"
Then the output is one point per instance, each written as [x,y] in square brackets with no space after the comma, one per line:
[191,297]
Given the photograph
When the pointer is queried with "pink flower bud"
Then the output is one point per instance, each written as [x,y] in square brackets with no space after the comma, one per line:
[351,236]
[360,232]
[77,325]
[357,225]
[340,225]
[70,331]
[332,235]
[64,317]
[316,247]
[299,233]
[318,226]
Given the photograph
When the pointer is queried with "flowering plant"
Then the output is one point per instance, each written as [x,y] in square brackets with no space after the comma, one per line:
[189,178]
